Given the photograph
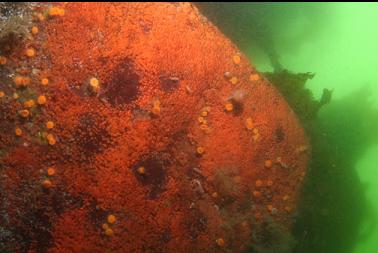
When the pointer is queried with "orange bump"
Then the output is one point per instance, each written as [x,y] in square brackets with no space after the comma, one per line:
[109,232]
[268,164]
[18,131]
[51,171]
[46,184]
[2,94]
[94,83]
[45,81]
[105,226]
[3,60]
[141,170]
[220,242]
[50,125]
[24,113]
[214,195]
[35,30]
[249,123]
[200,150]
[30,52]
[41,100]
[111,219]
[229,107]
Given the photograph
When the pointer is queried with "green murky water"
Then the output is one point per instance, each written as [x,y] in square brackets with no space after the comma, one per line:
[338,43]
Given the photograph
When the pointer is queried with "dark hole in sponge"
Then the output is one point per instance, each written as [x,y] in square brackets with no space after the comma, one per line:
[238,107]
[123,87]
[280,134]
[154,176]
[9,43]
[91,134]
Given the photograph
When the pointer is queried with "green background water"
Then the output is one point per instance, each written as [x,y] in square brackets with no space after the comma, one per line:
[339,43]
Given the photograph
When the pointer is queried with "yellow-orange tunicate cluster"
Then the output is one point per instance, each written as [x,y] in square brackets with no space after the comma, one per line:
[56,11]
[254,77]
[51,139]
[234,80]
[29,103]
[202,119]
[236,59]
[111,219]
[39,16]
[21,81]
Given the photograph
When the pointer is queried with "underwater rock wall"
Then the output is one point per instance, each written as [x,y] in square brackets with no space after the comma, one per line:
[138,127]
